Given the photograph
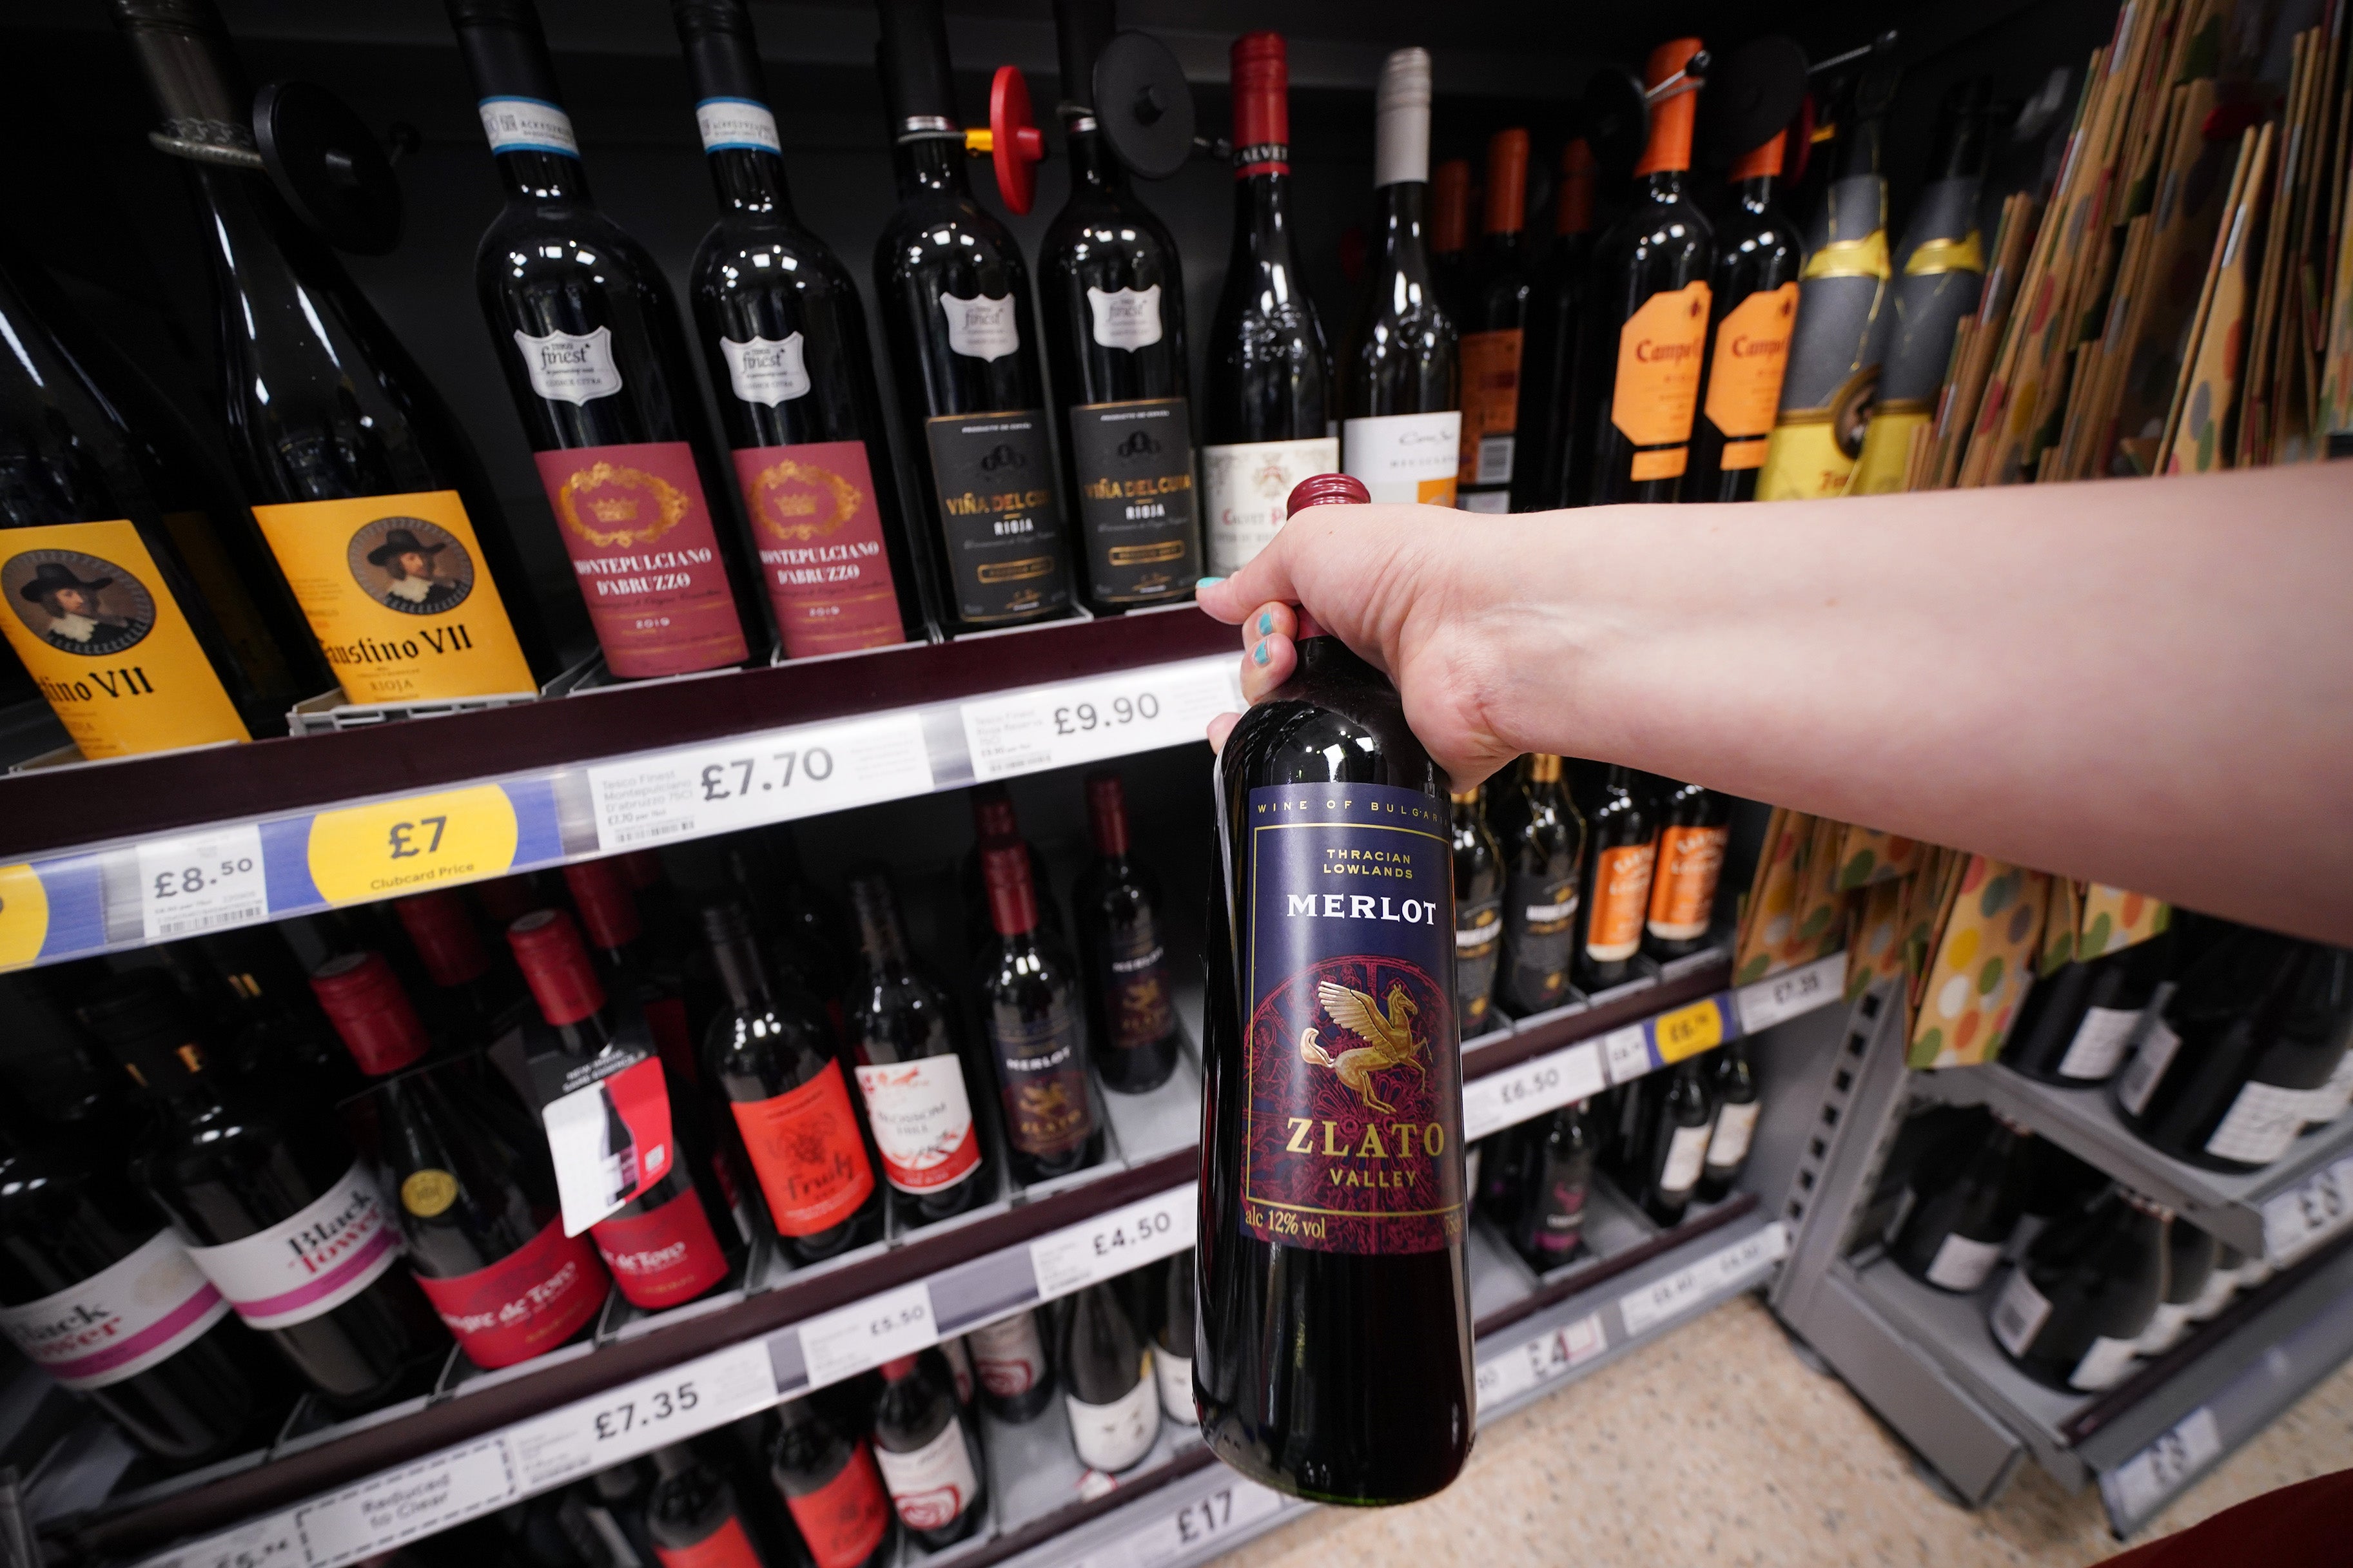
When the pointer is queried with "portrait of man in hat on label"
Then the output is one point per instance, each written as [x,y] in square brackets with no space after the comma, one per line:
[79,603]
[408,565]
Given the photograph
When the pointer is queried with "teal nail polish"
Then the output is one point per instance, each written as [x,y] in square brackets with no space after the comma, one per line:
[1259,653]
[1205,581]
[1266,624]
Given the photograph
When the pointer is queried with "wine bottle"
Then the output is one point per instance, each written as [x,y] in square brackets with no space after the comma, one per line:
[993,819]
[1027,990]
[1450,227]
[1541,855]
[1399,376]
[364,487]
[1544,477]
[1017,1379]
[474,994]
[1478,912]
[1694,827]
[1731,1090]
[773,1055]
[1753,308]
[2084,1292]
[2077,1022]
[831,1488]
[692,1515]
[583,323]
[273,1208]
[1622,849]
[1641,353]
[2189,1256]
[1131,1003]
[1271,406]
[143,599]
[908,1057]
[1551,1223]
[2224,1279]
[1965,1201]
[267,1022]
[1108,1387]
[955,298]
[1680,1131]
[784,337]
[809,923]
[929,1458]
[477,1206]
[1492,304]
[1332,1133]
[1172,1345]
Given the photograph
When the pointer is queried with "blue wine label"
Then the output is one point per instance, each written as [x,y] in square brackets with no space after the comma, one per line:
[1353,1141]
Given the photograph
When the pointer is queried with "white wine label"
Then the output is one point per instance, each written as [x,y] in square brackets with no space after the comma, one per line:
[2099,1042]
[922,1119]
[1247,486]
[1125,318]
[2221,1286]
[1008,1355]
[983,327]
[135,1313]
[1546,914]
[1963,1264]
[527,125]
[1734,1125]
[2103,1365]
[766,369]
[335,1248]
[567,367]
[1404,457]
[1685,1154]
[2019,1315]
[2146,1067]
[2328,1101]
[1116,1437]
[2166,1329]
[1175,1386]
[1494,463]
[931,1486]
[744,122]
[2261,1124]
[1495,503]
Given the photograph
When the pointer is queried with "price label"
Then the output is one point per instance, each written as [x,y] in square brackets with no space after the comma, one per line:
[2309,1213]
[1687,1031]
[1505,1098]
[1077,1256]
[1801,990]
[1534,1362]
[270,1541]
[589,1435]
[2142,1484]
[1207,1523]
[201,882]
[432,1494]
[868,1333]
[1704,1280]
[24,916]
[759,779]
[1626,1053]
[1087,720]
[395,847]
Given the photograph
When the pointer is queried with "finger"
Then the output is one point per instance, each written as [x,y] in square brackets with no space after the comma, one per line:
[1267,576]
[1269,620]
[1268,664]
[1220,728]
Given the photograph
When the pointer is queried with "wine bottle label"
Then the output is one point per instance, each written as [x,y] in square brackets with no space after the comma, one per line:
[2327,1103]
[1736,1124]
[641,539]
[843,1521]
[1116,1437]
[1539,929]
[806,1150]
[134,1314]
[1478,928]
[607,1122]
[1353,1137]
[1176,1377]
[725,1547]
[571,367]
[746,123]
[1125,318]
[664,1257]
[2019,1313]
[819,535]
[1622,889]
[527,125]
[1249,485]
[1404,457]
[2164,1330]
[1008,1356]
[1686,1152]
[1656,393]
[1961,1264]
[312,1262]
[931,1486]
[103,639]
[1478,945]
[1042,1064]
[2104,1364]
[923,1123]
[397,592]
[1744,375]
[1135,463]
[2141,1075]
[1683,893]
[531,1300]
[2260,1125]
[767,370]
[1139,1008]
[2221,1286]
[982,327]
[1491,407]
[2099,1042]
[998,514]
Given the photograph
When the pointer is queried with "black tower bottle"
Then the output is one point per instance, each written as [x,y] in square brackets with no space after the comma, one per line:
[2078,1021]
[1544,475]
[928,1456]
[1028,993]
[1966,1200]
[1479,873]
[955,298]
[1492,307]
[583,323]
[1551,1223]
[1694,825]
[1332,1111]
[1542,852]
[1621,850]
[1117,905]
[785,340]
[2074,1308]
[1753,309]
[369,496]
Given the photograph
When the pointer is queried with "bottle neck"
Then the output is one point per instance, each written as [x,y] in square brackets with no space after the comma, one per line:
[537,176]
[750,180]
[1012,897]
[1756,192]
[740,973]
[1664,185]
[931,164]
[1093,167]
[1405,224]
[880,937]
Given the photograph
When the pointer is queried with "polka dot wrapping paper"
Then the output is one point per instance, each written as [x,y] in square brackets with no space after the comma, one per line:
[1984,958]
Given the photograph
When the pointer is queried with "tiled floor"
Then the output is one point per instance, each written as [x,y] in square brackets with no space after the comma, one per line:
[1717,1446]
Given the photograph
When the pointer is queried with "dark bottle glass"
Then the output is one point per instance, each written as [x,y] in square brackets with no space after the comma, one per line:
[1131,1003]
[1965,1199]
[346,452]
[907,1050]
[269,1026]
[692,1516]
[771,1054]
[477,990]
[1731,1090]
[2085,1291]
[784,337]
[2078,1022]
[1017,1377]
[1550,1228]
[1542,476]
[832,1489]
[2190,1256]
[1752,308]
[1267,421]
[273,1206]
[1105,1361]
[1399,373]
[1491,306]
[1694,829]
[1621,850]
[583,323]
[1450,227]
[1680,1128]
[1298,1386]
[1028,993]
[1501,1182]
[1542,842]
[618,1515]
[1172,1346]
[955,298]
[992,820]
[1479,874]
[1640,356]
[930,1458]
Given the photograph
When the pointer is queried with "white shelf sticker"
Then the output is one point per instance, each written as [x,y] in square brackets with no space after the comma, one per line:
[1543,1084]
[1205,1524]
[866,1333]
[2142,1484]
[1534,1362]
[1077,1256]
[268,1542]
[1088,720]
[1699,1282]
[400,1505]
[757,780]
[636,1418]
[1777,997]
[201,882]
[2309,1213]
[1627,1053]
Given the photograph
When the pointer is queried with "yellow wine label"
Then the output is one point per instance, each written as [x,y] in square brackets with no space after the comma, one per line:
[397,592]
[1803,461]
[1658,362]
[108,647]
[1887,450]
[382,850]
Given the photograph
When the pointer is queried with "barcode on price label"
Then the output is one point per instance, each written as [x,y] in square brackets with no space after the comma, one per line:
[1077,1256]
[201,882]
[636,1418]
[1779,996]
[1696,1283]
[1536,1362]
[2309,1213]
[760,779]
[1627,1053]
[1546,1083]
[2141,1485]
[1205,1524]
[1087,720]
[866,1333]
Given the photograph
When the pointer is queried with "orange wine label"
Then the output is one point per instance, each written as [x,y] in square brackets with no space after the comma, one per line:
[397,592]
[1621,890]
[1491,405]
[1666,463]
[1660,353]
[101,636]
[1744,378]
[1745,453]
[1683,893]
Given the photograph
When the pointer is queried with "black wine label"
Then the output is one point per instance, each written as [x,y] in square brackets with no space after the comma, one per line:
[1135,463]
[1138,1009]
[1478,943]
[1042,1064]
[1539,931]
[998,514]
[1353,1138]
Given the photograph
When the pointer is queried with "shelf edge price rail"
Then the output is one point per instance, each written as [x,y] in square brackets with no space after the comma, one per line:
[1129,1237]
[1207,1523]
[866,1333]
[758,779]
[1645,1307]
[1078,721]
[2140,1486]
[1542,1083]
[1534,1363]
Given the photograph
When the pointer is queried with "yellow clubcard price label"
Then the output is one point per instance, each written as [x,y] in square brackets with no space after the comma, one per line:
[1687,1031]
[24,916]
[407,845]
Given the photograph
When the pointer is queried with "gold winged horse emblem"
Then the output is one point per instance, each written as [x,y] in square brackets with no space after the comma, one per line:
[1390,1040]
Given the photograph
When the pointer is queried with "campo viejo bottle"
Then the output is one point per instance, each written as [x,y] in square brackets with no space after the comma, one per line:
[1331,1100]
[1754,308]
[1492,305]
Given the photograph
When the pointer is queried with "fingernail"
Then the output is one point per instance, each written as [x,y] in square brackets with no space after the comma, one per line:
[1266,624]
[1259,653]
[1205,581]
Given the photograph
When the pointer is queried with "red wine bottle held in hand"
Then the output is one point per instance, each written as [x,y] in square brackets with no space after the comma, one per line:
[1335,1328]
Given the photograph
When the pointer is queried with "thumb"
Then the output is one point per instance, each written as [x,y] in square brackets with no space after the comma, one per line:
[1267,579]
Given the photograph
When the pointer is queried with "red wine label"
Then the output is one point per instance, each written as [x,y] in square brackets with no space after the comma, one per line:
[1657,389]
[103,639]
[135,1313]
[1744,374]
[844,1520]
[531,1300]
[1539,929]
[998,514]
[1135,463]
[725,1547]
[1683,890]
[819,536]
[1246,489]
[806,1150]
[310,1263]
[1491,407]
[1622,889]
[641,539]
[397,591]
[1044,1071]
[1008,1356]
[1353,1138]
[664,1257]
[933,1484]
[1138,1008]
[923,1123]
